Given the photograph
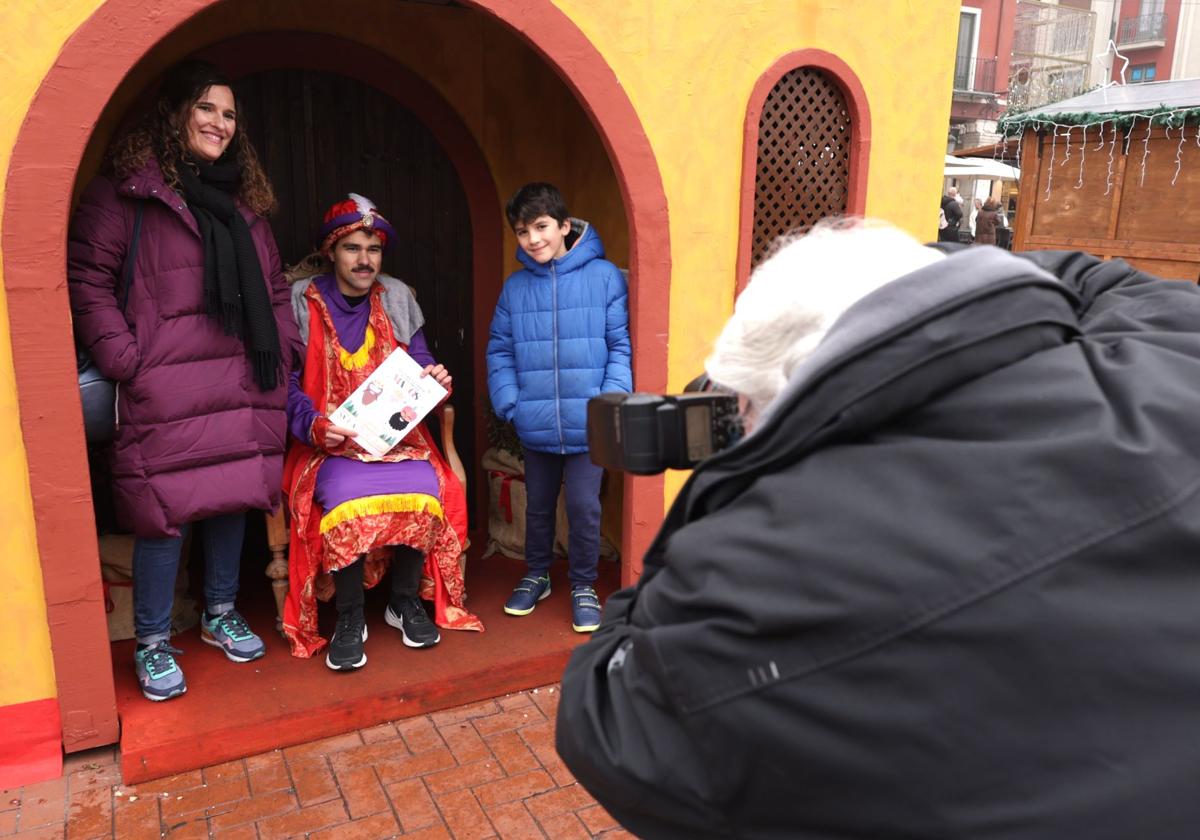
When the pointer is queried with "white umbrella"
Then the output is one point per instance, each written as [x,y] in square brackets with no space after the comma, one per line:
[987,168]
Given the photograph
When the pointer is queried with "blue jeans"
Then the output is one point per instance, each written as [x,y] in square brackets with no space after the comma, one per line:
[545,473]
[156,565]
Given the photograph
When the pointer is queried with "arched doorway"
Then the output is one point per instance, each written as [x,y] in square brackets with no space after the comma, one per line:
[42,175]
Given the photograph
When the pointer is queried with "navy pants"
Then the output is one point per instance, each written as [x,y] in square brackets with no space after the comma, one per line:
[156,564]
[545,474]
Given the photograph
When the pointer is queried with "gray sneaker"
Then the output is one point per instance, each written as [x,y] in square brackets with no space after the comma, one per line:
[231,634]
[158,673]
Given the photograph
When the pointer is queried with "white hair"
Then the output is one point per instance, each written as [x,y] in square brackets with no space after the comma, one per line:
[795,296]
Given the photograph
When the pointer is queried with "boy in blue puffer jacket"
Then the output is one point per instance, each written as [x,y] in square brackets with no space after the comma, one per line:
[559,336]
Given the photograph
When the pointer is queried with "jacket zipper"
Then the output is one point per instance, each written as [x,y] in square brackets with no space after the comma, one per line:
[116,406]
[562,448]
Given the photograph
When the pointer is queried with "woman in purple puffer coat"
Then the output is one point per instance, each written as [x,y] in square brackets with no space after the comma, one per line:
[200,345]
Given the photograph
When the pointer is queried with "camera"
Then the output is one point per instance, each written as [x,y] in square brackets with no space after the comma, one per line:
[647,433]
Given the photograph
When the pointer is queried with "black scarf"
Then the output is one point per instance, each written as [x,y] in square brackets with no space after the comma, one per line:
[234,289]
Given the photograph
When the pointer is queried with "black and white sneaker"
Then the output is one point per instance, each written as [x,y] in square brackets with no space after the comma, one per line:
[346,647]
[414,625]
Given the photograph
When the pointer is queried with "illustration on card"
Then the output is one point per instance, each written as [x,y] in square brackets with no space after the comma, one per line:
[389,404]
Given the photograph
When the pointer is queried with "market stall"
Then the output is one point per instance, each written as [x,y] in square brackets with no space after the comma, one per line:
[1114,172]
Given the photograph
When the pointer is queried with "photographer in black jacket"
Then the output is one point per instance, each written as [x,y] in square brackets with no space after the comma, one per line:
[945,588]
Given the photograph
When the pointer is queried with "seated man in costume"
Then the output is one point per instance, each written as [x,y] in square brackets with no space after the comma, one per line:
[352,513]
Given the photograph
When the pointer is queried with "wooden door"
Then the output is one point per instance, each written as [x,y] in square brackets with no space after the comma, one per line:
[320,136]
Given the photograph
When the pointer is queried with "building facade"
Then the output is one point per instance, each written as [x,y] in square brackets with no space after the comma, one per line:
[983,55]
[1017,55]
[1146,33]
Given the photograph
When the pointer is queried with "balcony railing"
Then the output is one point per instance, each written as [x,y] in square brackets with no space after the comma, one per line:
[975,74]
[1032,85]
[1144,28]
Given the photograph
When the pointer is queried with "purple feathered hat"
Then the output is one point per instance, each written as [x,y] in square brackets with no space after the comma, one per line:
[355,213]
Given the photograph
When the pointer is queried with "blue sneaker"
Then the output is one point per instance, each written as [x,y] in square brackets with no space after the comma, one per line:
[585,609]
[230,633]
[157,672]
[526,595]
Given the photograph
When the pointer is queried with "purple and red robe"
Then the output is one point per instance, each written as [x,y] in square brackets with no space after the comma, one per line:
[344,503]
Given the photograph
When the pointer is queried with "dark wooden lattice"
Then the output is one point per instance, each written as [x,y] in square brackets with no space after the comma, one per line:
[803,157]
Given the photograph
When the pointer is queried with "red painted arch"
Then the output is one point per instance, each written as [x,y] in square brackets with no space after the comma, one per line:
[860,143]
[37,204]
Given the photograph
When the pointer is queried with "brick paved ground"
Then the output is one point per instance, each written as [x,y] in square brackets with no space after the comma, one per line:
[484,770]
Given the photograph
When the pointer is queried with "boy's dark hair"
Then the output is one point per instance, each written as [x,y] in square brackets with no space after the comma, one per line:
[534,200]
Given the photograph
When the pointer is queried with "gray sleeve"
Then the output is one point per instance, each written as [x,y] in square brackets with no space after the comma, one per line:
[300,307]
[400,303]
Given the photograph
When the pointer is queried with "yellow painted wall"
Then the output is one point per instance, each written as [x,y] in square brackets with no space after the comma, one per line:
[33,35]
[688,67]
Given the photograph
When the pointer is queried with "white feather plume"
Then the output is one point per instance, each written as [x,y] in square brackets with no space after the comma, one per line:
[364,204]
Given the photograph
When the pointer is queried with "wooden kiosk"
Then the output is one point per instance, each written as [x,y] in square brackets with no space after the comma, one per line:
[1114,172]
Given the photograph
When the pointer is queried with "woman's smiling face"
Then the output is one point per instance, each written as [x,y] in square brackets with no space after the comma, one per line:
[211,123]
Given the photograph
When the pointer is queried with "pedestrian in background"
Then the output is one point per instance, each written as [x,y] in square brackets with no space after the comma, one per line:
[954,216]
[986,222]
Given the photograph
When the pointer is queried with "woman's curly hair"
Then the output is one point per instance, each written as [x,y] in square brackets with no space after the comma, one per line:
[161,134]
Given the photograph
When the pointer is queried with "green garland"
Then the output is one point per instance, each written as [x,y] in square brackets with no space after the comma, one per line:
[1013,124]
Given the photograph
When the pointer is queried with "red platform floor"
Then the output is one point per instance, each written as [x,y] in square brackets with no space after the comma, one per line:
[235,710]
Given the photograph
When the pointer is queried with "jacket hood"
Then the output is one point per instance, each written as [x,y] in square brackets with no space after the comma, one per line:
[145,181]
[149,183]
[587,247]
[902,345]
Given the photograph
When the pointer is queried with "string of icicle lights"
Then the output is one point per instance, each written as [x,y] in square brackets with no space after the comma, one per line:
[1064,125]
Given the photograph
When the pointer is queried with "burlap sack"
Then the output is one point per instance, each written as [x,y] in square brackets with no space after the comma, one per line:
[506,503]
[116,571]
[506,510]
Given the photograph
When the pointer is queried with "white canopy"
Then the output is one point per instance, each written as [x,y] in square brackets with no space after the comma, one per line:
[1125,99]
[968,167]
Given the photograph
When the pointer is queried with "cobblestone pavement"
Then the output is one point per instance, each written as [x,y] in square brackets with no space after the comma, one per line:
[484,770]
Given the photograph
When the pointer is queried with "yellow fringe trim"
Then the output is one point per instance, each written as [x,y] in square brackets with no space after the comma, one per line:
[369,505]
[356,360]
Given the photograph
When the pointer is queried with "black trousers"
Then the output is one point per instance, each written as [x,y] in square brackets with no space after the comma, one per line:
[407,564]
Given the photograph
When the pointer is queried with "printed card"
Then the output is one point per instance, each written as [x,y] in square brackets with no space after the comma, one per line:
[389,404]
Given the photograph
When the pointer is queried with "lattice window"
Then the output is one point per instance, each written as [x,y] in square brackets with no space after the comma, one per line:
[803,174]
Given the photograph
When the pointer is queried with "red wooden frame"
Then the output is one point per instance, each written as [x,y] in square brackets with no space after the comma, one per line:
[860,141]
[37,203]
